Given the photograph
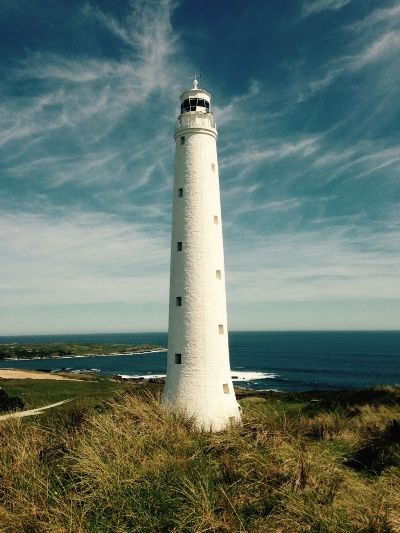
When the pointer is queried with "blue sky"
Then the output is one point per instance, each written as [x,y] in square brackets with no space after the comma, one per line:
[306,95]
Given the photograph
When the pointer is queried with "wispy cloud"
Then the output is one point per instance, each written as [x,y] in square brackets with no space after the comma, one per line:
[385,44]
[316,6]
[270,207]
[373,41]
[361,160]
[334,158]
[307,150]
[75,90]
[387,15]
[70,142]
[235,110]
[80,259]
[320,265]
[255,153]
[148,32]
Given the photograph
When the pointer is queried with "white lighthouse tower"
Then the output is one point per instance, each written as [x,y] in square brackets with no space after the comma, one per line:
[198,372]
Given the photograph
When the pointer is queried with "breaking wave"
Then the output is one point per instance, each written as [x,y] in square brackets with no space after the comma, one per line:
[236,376]
[252,375]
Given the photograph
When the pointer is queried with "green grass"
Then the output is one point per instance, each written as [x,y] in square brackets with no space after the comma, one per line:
[37,393]
[127,464]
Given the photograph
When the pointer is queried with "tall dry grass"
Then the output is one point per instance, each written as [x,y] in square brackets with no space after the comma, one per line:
[136,467]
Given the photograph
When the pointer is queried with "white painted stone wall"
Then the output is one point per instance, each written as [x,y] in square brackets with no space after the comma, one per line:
[201,384]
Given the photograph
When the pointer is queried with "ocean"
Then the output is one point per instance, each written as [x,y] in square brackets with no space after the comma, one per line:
[282,361]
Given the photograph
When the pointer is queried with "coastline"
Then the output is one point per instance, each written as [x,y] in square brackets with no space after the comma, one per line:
[294,361]
[161,350]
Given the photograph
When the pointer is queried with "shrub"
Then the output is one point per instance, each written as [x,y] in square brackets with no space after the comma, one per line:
[10,403]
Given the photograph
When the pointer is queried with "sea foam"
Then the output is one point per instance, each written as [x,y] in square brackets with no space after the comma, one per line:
[236,376]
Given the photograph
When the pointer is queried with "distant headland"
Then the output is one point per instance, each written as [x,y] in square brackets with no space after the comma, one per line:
[61,350]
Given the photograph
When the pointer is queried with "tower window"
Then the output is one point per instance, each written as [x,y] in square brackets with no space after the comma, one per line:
[182,140]
[213,167]
[179,246]
[218,274]
[225,387]
[179,301]
[221,329]
[178,358]
[215,219]
[180,192]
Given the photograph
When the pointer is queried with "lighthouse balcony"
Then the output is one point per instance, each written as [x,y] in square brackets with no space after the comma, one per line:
[195,120]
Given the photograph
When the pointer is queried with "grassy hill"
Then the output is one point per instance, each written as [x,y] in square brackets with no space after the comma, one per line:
[313,462]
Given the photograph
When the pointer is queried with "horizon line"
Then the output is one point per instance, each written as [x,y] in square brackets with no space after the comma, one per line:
[359,330]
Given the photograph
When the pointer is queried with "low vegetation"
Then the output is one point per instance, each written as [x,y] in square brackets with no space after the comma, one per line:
[10,403]
[36,393]
[61,349]
[302,463]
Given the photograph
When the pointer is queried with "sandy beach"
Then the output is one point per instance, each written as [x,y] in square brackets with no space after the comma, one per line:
[11,373]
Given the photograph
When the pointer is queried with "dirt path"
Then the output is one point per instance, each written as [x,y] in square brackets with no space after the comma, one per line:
[32,412]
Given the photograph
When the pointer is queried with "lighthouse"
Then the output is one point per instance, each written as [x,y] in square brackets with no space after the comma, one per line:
[198,381]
